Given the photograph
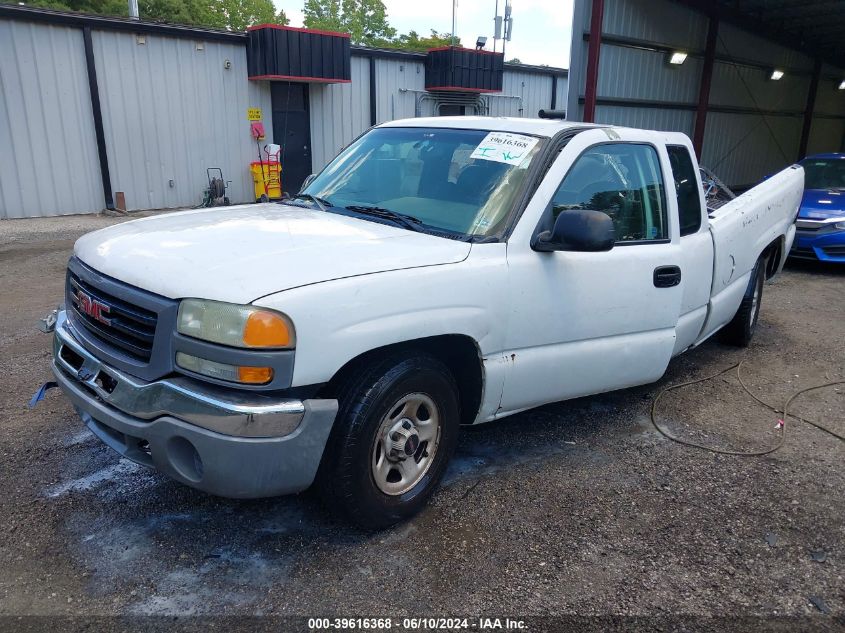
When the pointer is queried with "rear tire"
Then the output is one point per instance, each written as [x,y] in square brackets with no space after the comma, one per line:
[741,329]
[396,429]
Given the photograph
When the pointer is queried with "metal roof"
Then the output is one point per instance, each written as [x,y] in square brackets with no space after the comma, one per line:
[815,27]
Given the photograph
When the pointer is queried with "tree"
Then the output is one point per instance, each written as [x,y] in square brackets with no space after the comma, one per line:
[100,7]
[234,15]
[243,13]
[322,14]
[411,41]
[514,60]
[364,20]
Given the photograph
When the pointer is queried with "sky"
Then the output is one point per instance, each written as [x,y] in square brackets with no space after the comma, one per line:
[542,29]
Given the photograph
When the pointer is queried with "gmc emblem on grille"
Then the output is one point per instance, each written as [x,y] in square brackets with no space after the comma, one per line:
[95,309]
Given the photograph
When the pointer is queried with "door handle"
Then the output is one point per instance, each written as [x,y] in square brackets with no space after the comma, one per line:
[667,276]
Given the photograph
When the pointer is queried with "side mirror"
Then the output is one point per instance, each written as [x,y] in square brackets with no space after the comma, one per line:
[578,230]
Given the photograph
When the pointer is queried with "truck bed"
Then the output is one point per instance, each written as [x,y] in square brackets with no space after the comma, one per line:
[760,219]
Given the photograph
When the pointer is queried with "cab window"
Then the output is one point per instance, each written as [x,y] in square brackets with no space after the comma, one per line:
[623,180]
[686,188]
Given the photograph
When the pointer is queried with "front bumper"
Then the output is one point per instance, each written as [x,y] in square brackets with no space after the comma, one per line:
[824,243]
[223,441]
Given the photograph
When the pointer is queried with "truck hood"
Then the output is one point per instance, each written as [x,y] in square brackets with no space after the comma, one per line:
[239,254]
[821,204]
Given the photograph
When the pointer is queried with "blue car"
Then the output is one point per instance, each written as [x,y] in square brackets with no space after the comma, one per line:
[820,227]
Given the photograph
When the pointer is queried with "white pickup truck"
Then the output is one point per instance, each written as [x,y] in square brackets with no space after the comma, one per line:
[438,273]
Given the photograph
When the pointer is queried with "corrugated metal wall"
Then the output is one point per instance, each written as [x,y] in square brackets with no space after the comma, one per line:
[826,130]
[339,113]
[398,84]
[48,152]
[654,21]
[171,107]
[741,145]
[523,94]
[742,149]
[170,110]
[647,118]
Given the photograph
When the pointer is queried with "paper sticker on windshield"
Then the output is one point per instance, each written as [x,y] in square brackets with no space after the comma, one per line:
[504,147]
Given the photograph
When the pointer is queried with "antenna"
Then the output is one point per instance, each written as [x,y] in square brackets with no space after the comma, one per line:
[497,26]
[508,24]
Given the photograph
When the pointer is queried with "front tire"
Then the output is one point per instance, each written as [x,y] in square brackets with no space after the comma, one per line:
[396,429]
[741,329]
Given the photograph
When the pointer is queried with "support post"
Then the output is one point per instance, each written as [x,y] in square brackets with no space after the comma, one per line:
[373,116]
[704,86]
[808,111]
[593,52]
[97,113]
[554,92]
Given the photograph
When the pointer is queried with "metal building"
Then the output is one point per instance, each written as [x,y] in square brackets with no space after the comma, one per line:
[761,83]
[94,106]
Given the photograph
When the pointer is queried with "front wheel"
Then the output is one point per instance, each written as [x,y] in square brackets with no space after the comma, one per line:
[395,432]
[740,330]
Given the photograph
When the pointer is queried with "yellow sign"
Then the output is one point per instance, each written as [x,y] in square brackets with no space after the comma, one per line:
[253,114]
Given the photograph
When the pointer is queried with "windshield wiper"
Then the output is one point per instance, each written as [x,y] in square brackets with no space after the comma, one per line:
[322,203]
[407,221]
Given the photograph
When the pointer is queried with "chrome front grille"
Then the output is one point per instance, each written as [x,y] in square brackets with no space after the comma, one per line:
[111,320]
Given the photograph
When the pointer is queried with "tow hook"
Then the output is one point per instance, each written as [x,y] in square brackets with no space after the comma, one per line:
[47,324]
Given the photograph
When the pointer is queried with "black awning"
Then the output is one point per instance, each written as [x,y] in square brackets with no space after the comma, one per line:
[286,53]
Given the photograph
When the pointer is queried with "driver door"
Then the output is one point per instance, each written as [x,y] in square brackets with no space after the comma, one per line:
[587,322]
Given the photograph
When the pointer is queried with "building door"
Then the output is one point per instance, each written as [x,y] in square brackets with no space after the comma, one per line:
[292,130]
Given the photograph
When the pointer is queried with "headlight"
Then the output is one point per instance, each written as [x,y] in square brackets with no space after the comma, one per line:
[235,325]
[840,226]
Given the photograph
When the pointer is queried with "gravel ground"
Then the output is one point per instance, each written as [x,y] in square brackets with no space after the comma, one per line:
[577,508]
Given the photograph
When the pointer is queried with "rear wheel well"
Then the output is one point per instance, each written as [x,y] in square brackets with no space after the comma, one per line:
[458,352]
[773,254]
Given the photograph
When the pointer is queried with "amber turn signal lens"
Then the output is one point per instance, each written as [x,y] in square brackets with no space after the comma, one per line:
[267,329]
[255,375]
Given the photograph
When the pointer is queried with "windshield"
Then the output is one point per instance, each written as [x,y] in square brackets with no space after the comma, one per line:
[458,181]
[824,173]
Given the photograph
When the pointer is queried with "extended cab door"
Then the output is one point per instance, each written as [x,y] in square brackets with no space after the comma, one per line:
[696,242]
[587,322]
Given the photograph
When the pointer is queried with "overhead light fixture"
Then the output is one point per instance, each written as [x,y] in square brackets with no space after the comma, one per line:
[676,58]
[776,75]
[842,85]
[481,42]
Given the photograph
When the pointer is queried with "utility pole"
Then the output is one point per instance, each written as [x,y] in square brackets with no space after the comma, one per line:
[497,26]
[454,19]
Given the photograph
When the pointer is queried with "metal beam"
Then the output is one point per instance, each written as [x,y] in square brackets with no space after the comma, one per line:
[808,112]
[97,113]
[704,85]
[373,102]
[593,52]
[626,102]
